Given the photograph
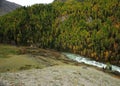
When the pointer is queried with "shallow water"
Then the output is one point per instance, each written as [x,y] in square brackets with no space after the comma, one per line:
[88,61]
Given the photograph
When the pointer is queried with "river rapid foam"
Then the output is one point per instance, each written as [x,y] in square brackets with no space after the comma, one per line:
[88,61]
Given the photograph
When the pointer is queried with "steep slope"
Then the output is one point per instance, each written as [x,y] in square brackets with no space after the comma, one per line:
[6,6]
[90,28]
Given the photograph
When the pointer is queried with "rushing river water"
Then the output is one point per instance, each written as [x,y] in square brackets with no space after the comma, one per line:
[88,61]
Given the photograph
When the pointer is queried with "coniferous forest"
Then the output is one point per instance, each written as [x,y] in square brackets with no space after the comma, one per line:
[89,28]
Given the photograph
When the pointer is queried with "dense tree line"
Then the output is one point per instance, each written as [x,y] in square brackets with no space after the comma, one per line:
[88,27]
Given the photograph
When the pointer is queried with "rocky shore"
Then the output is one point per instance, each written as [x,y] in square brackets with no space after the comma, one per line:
[59,76]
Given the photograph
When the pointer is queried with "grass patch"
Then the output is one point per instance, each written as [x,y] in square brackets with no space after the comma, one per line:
[6,50]
[11,59]
[14,58]
[16,63]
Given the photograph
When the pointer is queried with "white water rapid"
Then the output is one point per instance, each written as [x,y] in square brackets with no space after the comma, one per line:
[88,61]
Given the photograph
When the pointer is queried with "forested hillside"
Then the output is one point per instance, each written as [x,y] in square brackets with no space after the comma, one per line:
[87,27]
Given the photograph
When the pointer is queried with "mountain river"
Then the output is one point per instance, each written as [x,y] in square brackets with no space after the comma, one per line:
[88,61]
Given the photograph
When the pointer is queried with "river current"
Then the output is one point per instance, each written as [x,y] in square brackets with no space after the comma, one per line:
[88,61]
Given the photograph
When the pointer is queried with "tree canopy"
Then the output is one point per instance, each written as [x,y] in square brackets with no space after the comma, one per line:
[88,27]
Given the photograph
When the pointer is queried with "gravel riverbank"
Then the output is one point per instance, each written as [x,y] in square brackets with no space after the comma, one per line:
[65,75]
